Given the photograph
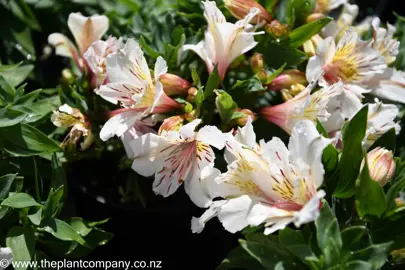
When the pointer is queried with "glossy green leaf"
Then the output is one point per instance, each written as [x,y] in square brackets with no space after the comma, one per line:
[355,237]
[7,91]
[252,84]
[21,240]
[36,217]
[352,154]
[9,67]
[196,77]
[358,265]
[18,75]
[225,105]
[28,99]
[19,200]
[239,258]
[54,202]
[328,235]
[370,196]
[303,33]
[298,11]
[25,140]
[274,75]
[6,182]
[62,230]
[387,141]
[10,117]
[376,255]
[212,83]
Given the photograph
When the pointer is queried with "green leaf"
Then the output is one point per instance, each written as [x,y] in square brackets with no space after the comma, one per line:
[196,78]
[358,265]
[6,182]
[10,117]
[252,84]
[54,202]
[225,105]
[298,11]
[8,92]
[151,52]
[21,240]
[370,196]
[328,235]
[19,200]
[274,75]
[9,67]
[25,140]
[393,191]
[294,242]
[58,175]
[239,258]
[387,141]
[376,255]
[28,99]
[18,75]
[212,83]
[352,154]
[36,217]
[353,237]
[84,227]
[62,231]
[303,33]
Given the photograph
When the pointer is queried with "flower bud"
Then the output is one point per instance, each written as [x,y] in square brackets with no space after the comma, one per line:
[309,48]
[381,165]
[288,78]
[174,85]
[314,17]
[240,8]
[277,29]
[192,92]
[257,62]
[190,116]
[247,113]
[67,76]
[171,123]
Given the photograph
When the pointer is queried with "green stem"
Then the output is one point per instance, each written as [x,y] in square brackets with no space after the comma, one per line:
[37,194]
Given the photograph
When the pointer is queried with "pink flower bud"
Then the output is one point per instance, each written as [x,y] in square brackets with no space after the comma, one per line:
[174,85]
[277,29]
[171,123]
[287,79]
[314,17]
[257,62]
[240,8]
[247,113]
[381,165]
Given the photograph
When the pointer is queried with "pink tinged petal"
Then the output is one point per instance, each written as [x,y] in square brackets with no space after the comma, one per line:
[64,47]
[211,135]
[119,92]
[310,211]
[200,186]
[86,30]
[117,125]
[306,147]
[140,128]
[147,156]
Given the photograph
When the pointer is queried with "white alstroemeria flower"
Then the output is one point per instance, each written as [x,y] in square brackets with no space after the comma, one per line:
[277,186]
[96,57]
[131,84]
[389,85]
[384,41]
[305,105]
[179,156]
[324,6]
[6,257]
[66,117]
[224,41]
[380,119]
[346,18]
[85,31]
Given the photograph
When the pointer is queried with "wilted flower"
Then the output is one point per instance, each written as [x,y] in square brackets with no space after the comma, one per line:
[96,57]
[224,41]
[179,156]
[241,8]
[381,165]
[174,85]
[305,105]
[67,116]
[130,84]
[273,185]
[288,78]
[85,31]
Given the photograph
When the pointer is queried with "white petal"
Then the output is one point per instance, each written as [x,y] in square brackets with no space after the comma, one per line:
[188,131]
[86,30]
[212,14]
[275,151]
[211,135]
[246,135]
[233,214]
[200,50]
[120,123]
[146,150]
[198,224]
[310,211]
[277,224]
[140,128]
[63,46]
[160,67]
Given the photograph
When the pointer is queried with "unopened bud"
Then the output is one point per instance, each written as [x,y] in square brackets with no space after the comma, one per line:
[67,76]
[294,90]
[192,92]
[381,165]
[190,116]
[309,48]
[174,85]
[240,8]
[314,17]
[241,121]
[171,123]
[257,62]
[277,29]
[262,75]
[287,79]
